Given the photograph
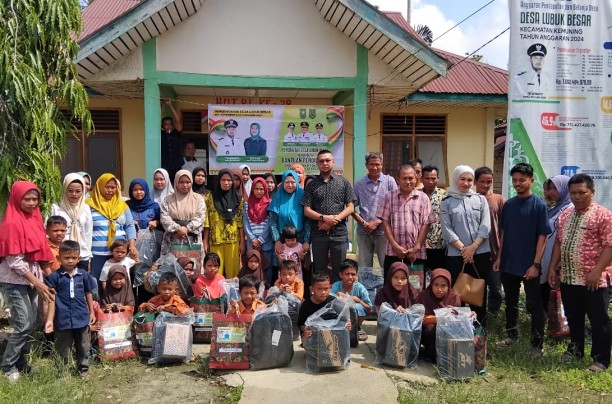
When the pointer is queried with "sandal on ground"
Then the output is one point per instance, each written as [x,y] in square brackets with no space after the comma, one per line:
[597,367]
[362,335]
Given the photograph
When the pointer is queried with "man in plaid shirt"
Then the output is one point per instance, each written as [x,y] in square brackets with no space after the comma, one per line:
[406,214]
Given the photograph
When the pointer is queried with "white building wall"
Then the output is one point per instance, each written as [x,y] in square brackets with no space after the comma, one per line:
[241,37]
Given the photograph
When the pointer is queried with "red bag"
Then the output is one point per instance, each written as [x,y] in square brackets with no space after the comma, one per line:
[143,330]
[557,322]
[229,348]
[115,336]
[203,309]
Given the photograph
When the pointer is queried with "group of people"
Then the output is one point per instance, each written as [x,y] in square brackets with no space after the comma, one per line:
[294,235]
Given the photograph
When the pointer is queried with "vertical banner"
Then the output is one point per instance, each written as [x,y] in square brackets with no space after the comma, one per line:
[560,98]
[271,138]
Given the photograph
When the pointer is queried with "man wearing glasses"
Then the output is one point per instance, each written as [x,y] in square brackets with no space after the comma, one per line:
[328,202]
[370,192]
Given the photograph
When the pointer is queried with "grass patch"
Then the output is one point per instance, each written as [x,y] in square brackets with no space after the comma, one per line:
[514,377]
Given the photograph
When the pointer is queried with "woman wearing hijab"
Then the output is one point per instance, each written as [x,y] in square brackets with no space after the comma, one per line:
[182,214]
[397,291]
[286,209]
[249,267]
[199,181]
[556,192]
[301,172]
[437,295]
[271,183]
[223,231]
[257,225]
[112,220]
[88,182]
[466,223]
[78,216]
[255,145]
[118,292]
[238,183]
[145,211]
[245,174]
[23,255]
[162,186]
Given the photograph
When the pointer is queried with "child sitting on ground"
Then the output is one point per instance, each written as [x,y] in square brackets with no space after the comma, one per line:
[253,267]
[292,250]
[167,299]
[288,281]
[348,286]
[319,297]
[118,295]
[436,296]
[119,248]
[248,288]
[72,311]
[56,231]
[207,283]
[397,291]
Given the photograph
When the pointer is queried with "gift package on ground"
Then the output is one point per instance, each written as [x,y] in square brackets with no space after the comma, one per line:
[172,338]
[271,336]
[143,331]
[399,335]
[293,307]
[229,348]
[329,346]
[455,343]
[115,336]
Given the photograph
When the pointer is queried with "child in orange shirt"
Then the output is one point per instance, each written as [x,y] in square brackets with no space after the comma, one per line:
[288,281]
[167,299]
[56,231]
[248,287]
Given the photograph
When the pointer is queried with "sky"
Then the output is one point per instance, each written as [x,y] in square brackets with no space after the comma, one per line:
[441,15]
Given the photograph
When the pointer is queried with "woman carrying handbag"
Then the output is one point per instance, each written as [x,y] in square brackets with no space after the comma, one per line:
[465,227]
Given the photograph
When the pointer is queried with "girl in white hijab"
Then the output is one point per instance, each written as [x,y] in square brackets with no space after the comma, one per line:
[78,215]
[246,180]
[162,186]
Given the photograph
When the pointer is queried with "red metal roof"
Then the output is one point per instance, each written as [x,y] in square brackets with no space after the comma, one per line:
[101,12]
[467,77]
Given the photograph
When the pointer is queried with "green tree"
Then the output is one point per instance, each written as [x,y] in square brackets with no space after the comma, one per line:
[38,80]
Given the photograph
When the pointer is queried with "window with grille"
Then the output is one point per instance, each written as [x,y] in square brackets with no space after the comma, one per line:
[405,137]
[98,153]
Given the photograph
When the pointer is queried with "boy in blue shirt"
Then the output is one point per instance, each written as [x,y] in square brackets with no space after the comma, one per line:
[72,312]
[523,225]
[349,286]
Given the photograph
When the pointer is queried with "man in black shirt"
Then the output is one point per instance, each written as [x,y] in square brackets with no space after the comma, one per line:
[171,151]
[328,202]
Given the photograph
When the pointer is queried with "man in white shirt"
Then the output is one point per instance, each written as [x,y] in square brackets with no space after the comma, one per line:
[291,136]
[190,162]
[318,136]
[230,145]
[304,134]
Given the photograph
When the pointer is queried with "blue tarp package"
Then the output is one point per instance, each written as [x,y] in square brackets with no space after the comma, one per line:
[398,338]
[372,282]
[271,336]
[293,307]
[455,343]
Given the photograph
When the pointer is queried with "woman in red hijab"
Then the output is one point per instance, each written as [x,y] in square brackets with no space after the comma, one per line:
[257,225]
[23,255]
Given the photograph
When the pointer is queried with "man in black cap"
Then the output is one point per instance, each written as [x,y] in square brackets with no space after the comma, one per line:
[319,136]
[306,137]
[535,80]
[230,145]
[291,136]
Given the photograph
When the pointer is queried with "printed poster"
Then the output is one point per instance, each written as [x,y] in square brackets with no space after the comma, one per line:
[271,138]
[560,98]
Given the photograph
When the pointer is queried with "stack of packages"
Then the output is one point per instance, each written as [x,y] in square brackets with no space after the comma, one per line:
[293,307]
[115,335]
[328,348]
[143,331]
[399,335]
[373,283]
[271,336]
[455,343]
[172,338]
[203,309]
